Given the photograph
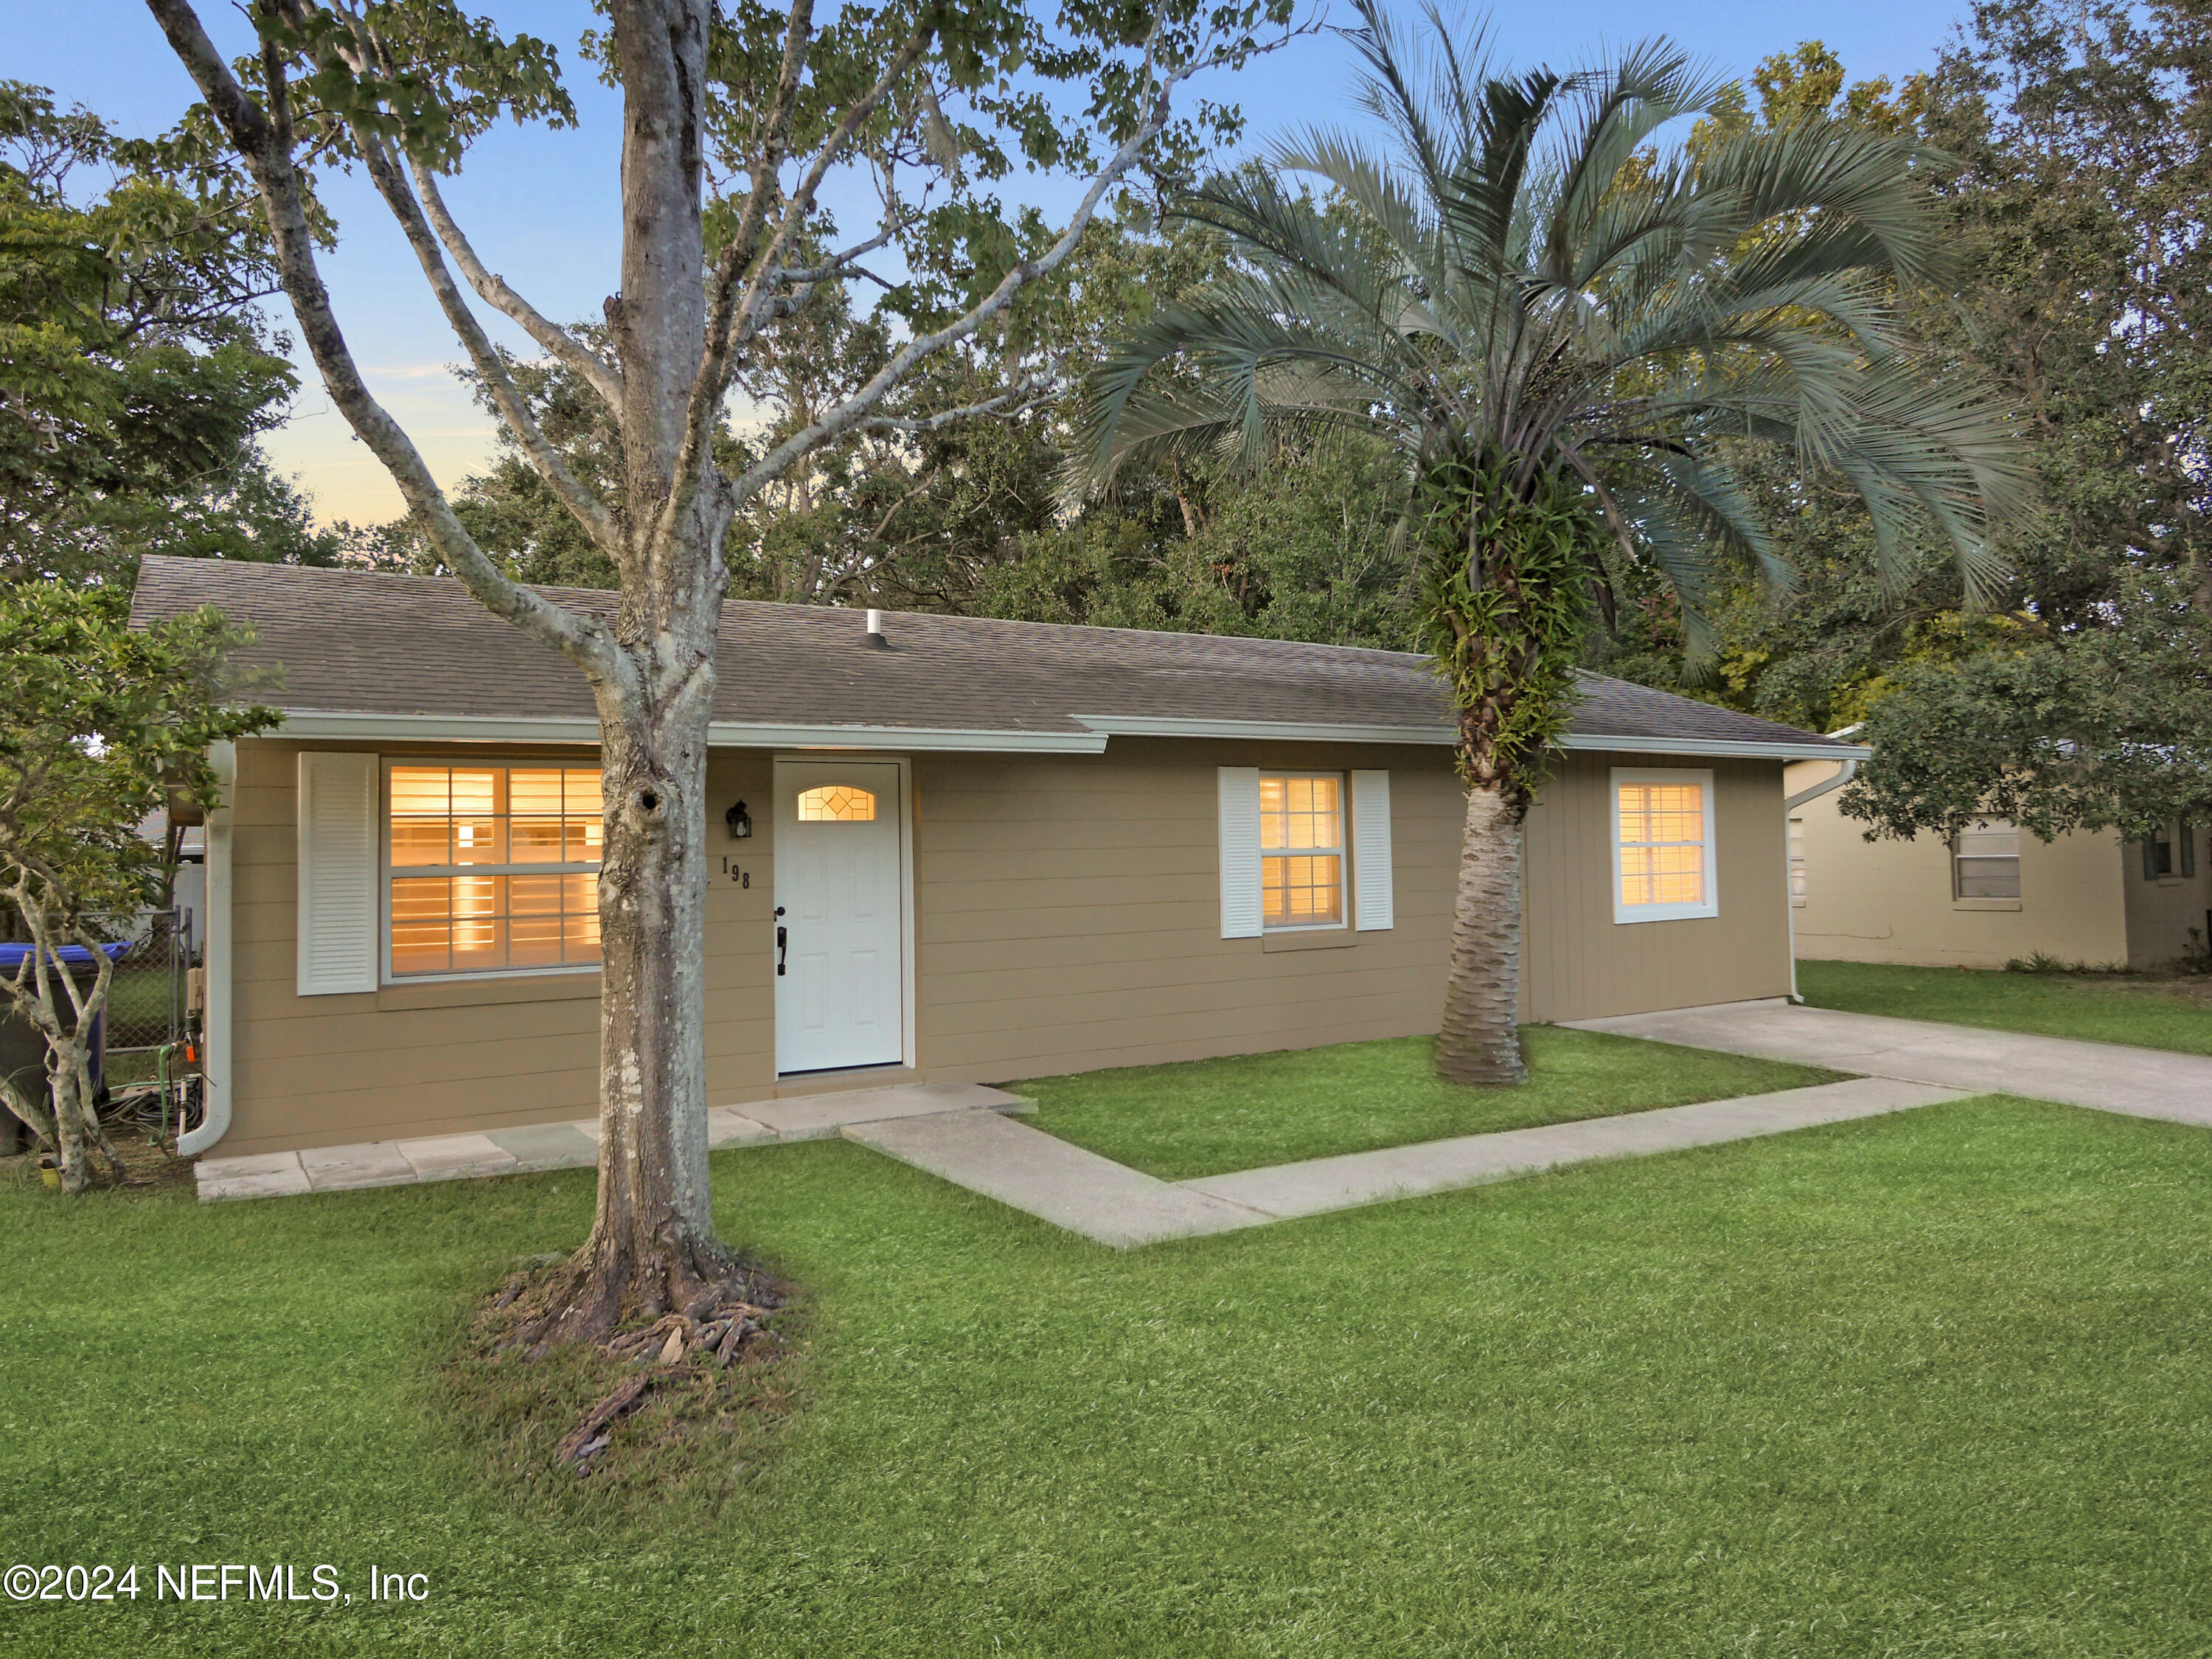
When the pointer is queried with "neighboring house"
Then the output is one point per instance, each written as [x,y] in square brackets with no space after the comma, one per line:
[995,850]
[1993,895]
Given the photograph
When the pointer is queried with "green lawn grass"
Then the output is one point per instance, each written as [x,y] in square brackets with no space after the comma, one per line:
[2150,1011]
[1934,1383]
[1210,1116]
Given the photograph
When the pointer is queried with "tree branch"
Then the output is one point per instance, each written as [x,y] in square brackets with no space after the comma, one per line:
[605,378]
[1036,392]
[392,185]
[731,323]
[263,141]
[856,410]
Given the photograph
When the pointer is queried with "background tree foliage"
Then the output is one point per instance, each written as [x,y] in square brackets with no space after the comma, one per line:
[101,725]
[2079,696]
[136,370]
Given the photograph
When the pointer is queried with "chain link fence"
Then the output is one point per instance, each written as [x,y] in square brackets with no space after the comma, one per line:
[146,1049]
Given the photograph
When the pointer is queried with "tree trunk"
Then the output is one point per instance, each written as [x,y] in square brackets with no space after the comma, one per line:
[69,1114]
[653,1247]
[1480,1040]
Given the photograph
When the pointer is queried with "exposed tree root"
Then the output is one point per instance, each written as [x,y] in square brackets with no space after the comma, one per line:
[673,1320]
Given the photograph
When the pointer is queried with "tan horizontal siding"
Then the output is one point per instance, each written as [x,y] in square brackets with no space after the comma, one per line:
[1581,964]
[1066,918]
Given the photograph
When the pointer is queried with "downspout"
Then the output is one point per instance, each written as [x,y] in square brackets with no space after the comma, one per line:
[215,1035]
[1848,770]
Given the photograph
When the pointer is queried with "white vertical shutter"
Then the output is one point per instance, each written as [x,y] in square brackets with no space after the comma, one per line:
[1371,850]
[337,873]
[1240,852]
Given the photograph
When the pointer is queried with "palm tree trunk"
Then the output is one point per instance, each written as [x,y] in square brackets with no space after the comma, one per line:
[1480,1040]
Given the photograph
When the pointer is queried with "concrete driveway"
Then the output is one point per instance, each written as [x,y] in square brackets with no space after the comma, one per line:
[2110,1077]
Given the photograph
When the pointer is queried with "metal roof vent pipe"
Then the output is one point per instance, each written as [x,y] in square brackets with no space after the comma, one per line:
[876,629]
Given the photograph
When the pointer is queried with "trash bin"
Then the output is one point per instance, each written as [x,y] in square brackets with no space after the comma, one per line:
[23,1050]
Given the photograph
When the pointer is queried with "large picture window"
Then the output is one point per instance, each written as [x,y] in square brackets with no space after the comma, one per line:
[1662,846]
[493,869]
[1301,849]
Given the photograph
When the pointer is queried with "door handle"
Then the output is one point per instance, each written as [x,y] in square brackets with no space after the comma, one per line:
[782,939]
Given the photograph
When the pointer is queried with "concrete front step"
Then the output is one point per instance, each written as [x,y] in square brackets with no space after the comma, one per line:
[823,1117]
[573,1146]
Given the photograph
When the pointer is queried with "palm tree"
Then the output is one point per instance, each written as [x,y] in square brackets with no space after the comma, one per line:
[1566,333]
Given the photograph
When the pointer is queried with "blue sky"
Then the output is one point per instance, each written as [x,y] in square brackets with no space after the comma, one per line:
[541,206]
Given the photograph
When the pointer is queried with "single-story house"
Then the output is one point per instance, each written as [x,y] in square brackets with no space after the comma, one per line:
[958,849]
[1991,895]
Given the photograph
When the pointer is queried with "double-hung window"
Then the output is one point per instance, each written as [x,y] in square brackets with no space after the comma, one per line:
[1301,849]
[1663,867]
[1305,856]
[492,869]
[1985,862]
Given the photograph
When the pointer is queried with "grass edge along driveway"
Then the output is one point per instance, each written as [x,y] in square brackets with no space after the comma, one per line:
[2141,1011]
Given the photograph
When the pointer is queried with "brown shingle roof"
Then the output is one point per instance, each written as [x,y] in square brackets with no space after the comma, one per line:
[363,642]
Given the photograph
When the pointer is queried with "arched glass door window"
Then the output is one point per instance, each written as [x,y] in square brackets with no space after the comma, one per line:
[837,803]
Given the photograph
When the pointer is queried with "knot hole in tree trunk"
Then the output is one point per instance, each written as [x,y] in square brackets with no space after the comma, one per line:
[648,806]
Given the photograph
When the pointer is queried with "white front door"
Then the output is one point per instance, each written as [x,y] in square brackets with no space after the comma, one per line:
[840,941]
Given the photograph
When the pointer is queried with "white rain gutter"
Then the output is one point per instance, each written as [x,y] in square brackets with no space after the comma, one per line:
[215,1032]
[1844,775]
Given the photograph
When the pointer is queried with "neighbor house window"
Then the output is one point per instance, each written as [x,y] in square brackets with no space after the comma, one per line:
[1797,862]
[1662,846]
[1301,849]
[1985,862]
[493,869]
[2170,852]
[2158,854]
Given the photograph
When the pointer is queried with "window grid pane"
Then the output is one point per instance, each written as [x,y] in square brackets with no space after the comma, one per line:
[496,822]
[1663,843]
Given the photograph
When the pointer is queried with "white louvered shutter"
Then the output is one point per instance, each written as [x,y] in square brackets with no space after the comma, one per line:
[337,873]
[1240,852]
[1371,850]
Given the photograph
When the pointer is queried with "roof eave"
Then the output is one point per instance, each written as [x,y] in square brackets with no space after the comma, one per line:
[1091,740]
[720,734]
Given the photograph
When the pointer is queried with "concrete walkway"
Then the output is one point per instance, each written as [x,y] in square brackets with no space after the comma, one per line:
[569,1146]
[1027,1170]
[1054,1180]
[2103,1076]
[1323,1184]
[964,1134]
[961,1132]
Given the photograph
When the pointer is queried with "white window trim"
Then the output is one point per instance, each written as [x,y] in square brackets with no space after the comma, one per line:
[386,979]
[1711,905]
[1341,852]
[2018,884]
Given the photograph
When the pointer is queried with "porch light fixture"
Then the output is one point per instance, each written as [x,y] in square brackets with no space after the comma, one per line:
[741,823]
